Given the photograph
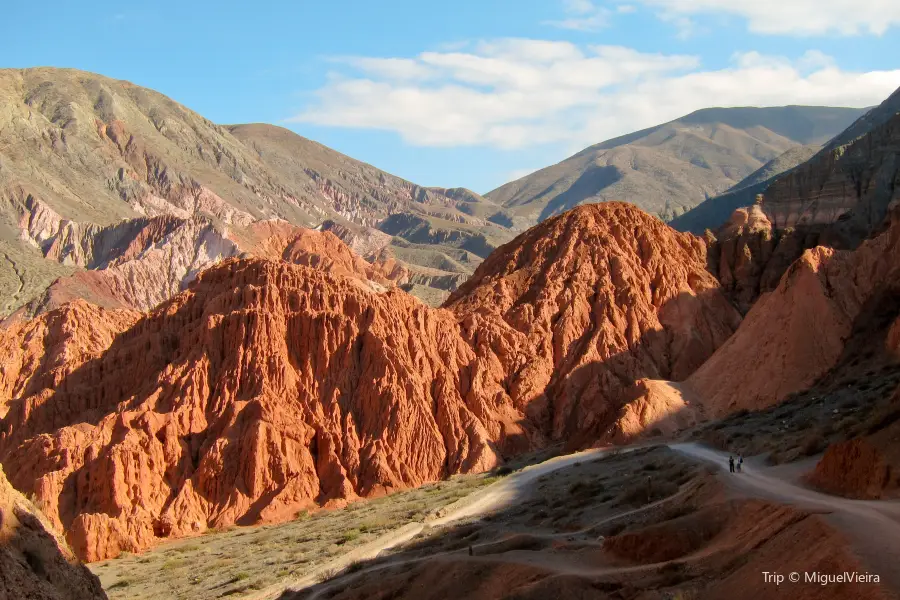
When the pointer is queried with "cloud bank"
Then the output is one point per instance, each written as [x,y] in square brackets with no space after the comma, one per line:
[518,93]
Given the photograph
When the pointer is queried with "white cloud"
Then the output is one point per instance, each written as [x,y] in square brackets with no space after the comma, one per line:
[793,17]
[583,15]
[516,93]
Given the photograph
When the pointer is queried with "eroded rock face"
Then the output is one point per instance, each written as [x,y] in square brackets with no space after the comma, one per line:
[264,389]
[35,564]
[796,333]
[853,468]
[578,308]
[855,181]
[39,354]
[749,256]
[267,388]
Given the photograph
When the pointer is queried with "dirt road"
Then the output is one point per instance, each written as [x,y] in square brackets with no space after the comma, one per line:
[872,526]
[499,495]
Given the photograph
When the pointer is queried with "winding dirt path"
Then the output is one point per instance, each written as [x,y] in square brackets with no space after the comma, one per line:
[872,526]
[502,494]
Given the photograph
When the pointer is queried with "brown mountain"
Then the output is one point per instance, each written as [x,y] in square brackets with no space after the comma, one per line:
[267,387]
[837,198]
[86,161]
[673,167]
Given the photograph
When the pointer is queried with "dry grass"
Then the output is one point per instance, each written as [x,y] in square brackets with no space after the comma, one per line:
[241,560]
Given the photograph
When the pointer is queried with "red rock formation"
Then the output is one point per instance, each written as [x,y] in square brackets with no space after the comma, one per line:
[35,564]
[39,354]
[576,309]
[854,468]
[264,389]
[321,250]
[749,256]
[796,333]
[267,388]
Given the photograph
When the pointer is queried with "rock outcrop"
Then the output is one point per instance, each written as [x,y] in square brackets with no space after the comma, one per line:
[578,308]
[866,467]
[749,256]
[837,198]
[796,333]
[34,563]
[854,468]
[266,388]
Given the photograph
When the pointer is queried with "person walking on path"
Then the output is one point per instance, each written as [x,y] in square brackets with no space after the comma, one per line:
[740,462]
[731,464]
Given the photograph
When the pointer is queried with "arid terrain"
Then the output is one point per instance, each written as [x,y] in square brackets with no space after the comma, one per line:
[218,376]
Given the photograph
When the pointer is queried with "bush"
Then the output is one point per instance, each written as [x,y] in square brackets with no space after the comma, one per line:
[813,444]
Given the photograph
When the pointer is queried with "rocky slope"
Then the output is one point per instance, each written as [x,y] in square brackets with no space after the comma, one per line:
[796,333]
[266,388]
[583,305]
[87,161]
[851,181]
[837,198]
[34,563]
[673,167]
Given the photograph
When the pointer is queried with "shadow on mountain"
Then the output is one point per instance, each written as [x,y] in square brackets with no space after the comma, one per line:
[588,185]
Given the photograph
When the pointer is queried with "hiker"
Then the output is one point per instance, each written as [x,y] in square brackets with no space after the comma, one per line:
[740,462]
[470,550]
[731,464]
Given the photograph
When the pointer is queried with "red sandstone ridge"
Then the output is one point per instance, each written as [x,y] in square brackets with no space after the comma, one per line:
[795,334]
[266,388]
[322,250]
[38,355]
[263,389]
[578,308]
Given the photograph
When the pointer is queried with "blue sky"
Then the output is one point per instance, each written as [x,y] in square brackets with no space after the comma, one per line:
[472,92]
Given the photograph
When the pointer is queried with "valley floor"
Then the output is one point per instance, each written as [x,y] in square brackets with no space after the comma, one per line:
[659,522]
[642,522]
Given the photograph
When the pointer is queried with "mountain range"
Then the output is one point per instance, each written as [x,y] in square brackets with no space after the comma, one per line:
[116,194]
[670,168]
[211,326]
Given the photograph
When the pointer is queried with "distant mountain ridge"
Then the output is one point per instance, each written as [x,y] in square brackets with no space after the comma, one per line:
[80,152]
[672,167]
[800,184]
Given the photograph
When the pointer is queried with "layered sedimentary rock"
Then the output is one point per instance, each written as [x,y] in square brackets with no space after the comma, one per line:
[267,388]
[836,198]
[858,172]
[88,162]
[34,563]
[796,333]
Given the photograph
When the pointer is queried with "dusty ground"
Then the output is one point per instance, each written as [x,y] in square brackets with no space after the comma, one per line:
[598,530]
[243,560]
